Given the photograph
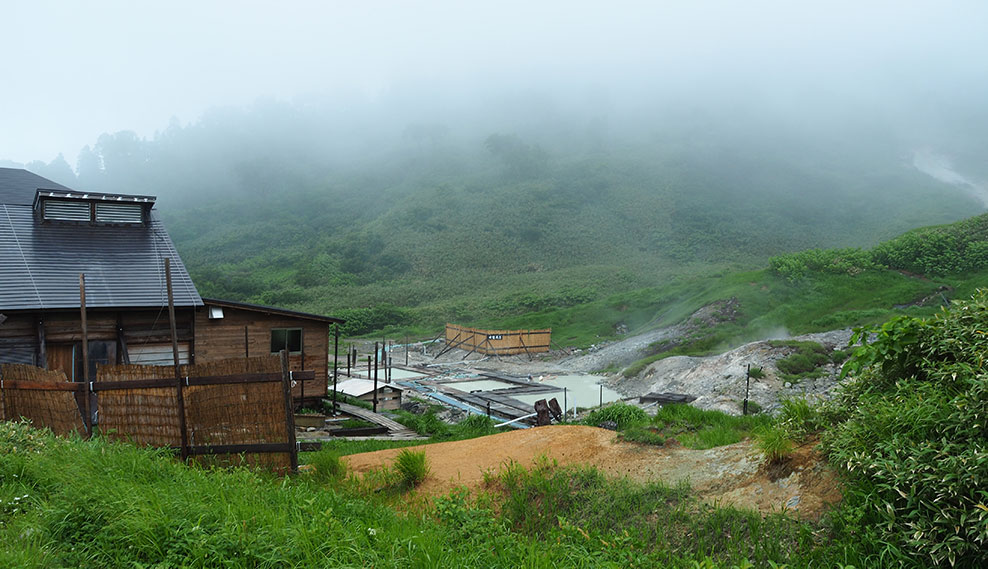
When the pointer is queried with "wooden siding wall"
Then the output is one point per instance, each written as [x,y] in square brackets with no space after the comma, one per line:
[498,342]
[388,399]
[224,338]
[20,335]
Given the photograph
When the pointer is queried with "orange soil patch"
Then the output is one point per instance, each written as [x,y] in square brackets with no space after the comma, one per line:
[735,474]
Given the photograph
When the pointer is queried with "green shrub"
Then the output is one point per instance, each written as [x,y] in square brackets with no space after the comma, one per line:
[794,266]
[774,443]
[797,417]
[326,466]
[644,435]
[427,425]
[411,467]
[621,413]
[938,251]
[474,426]
[804,362]
[909,431]
[756,373]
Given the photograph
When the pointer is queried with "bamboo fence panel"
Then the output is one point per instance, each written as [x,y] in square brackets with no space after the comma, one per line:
[224,414]
[146,416]
[249,411]
[56,410]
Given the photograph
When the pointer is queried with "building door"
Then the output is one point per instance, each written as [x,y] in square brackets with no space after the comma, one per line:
[61,357]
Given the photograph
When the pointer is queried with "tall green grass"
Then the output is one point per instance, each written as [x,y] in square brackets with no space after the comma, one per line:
[74,503]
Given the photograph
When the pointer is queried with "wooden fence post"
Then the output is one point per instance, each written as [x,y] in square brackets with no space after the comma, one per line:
[87,405]
[179,393]
[286,388]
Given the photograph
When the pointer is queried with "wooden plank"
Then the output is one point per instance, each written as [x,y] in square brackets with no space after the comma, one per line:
[241,448]
[360,412]
[213,380]
[40,386]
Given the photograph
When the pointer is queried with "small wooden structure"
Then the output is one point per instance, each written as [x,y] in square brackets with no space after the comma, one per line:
[497,342]
[226,329]
[388,394]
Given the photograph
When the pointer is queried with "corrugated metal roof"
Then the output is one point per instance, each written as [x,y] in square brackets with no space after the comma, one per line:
[40,262]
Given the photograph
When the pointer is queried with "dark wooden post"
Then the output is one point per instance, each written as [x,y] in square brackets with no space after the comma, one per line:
[336,357]
[179,388]
[123,356]
[747,385]
[286,389]
[375,376]
[41,354]
[86,391]
[246,344]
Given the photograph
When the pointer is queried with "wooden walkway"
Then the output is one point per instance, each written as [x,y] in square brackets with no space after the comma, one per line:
[502,403]
[396,430]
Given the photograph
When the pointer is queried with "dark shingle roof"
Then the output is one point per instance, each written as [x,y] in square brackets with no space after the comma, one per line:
[273,310]
[40,263]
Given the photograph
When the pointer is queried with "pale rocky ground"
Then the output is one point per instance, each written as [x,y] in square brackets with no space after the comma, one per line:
[718,382]
[735,474]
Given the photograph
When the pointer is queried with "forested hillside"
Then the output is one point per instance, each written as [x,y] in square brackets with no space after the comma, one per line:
[416,218]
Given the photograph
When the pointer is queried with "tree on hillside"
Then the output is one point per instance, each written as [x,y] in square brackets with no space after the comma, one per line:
[521,160]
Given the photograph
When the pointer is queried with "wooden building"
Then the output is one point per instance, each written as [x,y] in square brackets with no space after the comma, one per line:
[51,234]
[388,394]
[226,329]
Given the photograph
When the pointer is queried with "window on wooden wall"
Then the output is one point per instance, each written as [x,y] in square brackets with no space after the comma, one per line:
[286,339]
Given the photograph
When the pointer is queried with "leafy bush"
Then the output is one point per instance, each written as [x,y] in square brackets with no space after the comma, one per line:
[427,425]
[794,266]
[643,434]
[756,373]
[809,356]
[411,467]
[798,418]
[621,413]
[326,466]
[938,251]
[475,426]
[909,430]
[774,443]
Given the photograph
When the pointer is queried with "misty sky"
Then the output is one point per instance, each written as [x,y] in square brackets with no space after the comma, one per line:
[74,70]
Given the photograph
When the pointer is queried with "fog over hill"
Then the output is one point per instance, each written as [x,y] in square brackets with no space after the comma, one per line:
[330,155]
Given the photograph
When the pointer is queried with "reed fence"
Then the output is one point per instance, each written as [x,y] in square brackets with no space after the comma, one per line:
[235,411]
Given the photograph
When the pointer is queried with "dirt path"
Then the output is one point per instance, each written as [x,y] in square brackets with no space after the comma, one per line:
[734,474]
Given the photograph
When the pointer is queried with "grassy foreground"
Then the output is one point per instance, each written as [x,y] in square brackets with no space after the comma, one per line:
[74,503]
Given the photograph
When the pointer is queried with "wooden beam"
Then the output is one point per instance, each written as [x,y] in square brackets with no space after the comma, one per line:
[42,352]
[29,385]
[199,450]
[526,348]
[286,388]
[122,352]
[87,403]
[450,345]
[179,390]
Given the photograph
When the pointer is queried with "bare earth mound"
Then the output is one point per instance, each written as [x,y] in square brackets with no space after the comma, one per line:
[735,474]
